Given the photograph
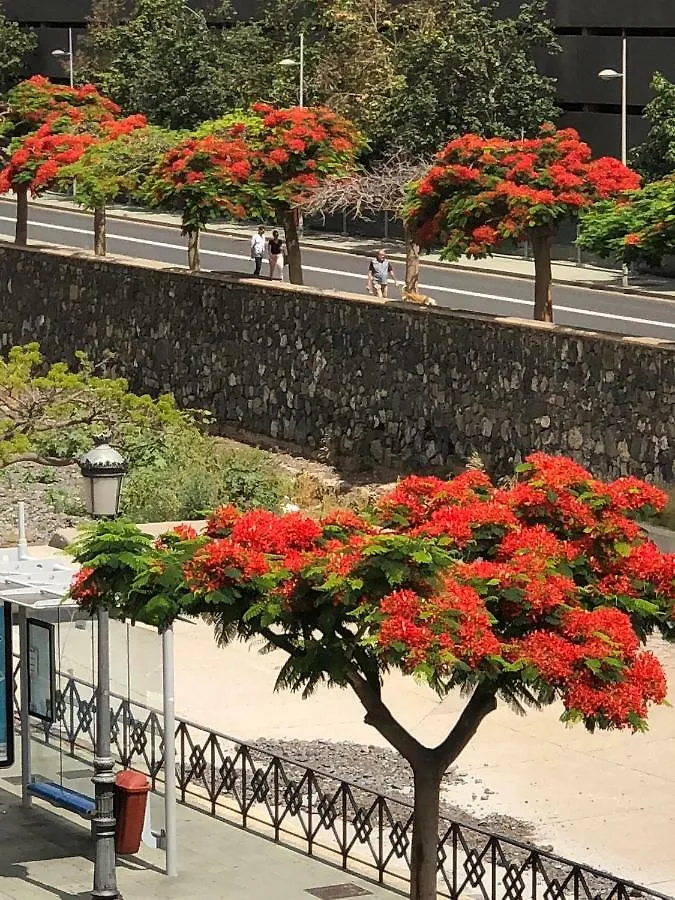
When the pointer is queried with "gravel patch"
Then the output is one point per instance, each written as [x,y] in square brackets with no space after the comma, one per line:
[383,771]
[51,497]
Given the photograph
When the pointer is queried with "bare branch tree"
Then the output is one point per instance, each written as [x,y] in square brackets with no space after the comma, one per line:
[380,189]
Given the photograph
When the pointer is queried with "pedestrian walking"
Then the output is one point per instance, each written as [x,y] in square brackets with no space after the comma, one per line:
[276,251]
[258,247]
[379,272]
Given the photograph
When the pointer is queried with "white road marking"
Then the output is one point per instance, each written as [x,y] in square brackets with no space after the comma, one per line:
[427,287]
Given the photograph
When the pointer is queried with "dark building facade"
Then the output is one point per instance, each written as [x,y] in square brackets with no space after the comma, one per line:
[589,32]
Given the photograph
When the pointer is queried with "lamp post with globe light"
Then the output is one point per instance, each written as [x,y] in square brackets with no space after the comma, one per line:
[103,469]
[62,54]
[612,75]
[289,61]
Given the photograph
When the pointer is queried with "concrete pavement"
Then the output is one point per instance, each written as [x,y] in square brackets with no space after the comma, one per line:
[605,800]
[344,269]
[44,855]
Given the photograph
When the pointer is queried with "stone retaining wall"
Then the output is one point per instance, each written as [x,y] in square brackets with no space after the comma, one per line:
[395,384]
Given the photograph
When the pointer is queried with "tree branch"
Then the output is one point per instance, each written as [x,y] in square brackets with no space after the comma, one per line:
[483,701]
[381,189]
[382,720]
[37,458]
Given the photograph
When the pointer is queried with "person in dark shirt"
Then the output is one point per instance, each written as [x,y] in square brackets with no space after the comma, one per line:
[275,250]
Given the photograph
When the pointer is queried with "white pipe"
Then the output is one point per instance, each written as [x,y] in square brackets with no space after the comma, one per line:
[26,799]
[22,543]
[170,797]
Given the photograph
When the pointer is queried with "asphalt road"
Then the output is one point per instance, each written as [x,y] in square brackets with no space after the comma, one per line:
[471,291]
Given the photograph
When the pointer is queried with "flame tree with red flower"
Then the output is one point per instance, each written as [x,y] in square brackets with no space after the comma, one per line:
[297,149]
[542,590]
[259,164]
[115,168]
[206,177]
[480,192]
[47,126]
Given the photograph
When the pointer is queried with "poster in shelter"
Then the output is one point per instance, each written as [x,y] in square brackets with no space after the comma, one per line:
[41,675]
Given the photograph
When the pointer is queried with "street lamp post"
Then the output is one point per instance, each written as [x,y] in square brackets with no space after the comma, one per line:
[61,54]
[103,470]
[290,61]
[611,75]
[300,62]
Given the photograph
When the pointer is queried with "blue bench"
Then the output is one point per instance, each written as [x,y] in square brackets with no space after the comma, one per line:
[57,795]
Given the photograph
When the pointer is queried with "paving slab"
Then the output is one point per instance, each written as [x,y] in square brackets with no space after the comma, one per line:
[217,861]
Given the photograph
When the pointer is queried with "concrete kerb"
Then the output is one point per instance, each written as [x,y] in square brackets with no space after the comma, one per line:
[317,244]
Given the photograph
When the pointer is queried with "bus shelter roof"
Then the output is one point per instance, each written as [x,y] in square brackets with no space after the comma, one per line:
[36,584]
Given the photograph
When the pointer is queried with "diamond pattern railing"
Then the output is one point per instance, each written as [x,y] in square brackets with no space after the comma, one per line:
[331,819]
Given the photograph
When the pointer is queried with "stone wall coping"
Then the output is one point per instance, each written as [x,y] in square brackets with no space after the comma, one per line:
[393,306]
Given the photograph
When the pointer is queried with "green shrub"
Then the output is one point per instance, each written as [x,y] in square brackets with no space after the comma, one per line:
[185,476]
[666,519]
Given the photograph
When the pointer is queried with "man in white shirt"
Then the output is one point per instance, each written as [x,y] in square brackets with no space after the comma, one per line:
[258,247]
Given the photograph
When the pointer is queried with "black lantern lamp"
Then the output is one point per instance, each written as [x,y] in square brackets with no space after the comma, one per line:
[103,469]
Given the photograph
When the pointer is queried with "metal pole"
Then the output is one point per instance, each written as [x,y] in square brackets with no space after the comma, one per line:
[105,881]
[26,799]
[624,99]
[70,57]
[22,543]
[170,797]
[624,125]
[302,69]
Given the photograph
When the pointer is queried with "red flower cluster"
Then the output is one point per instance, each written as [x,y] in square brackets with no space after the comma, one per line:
[480,191]
[221,564]
[221,521]
[267,532]
[620,704]
[39,159]
[83,587]
[443,628]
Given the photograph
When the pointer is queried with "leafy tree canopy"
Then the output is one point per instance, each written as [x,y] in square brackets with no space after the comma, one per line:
[539,591]
[115,170]
[15,45]
[468,70]
[49,414]
[639,227]
[655,157]
[162,59]
[479,192]
[409,74]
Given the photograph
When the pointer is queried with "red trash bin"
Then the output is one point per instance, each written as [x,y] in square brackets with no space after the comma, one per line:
[131,797]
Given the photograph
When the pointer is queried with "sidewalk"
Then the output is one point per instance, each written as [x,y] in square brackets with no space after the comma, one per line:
[567,273]
[46,855]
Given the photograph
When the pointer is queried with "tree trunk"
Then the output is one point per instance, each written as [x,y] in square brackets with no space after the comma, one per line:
[412,264]
[541,247]
[99,231]
[428,765]
[424,851]
[290,219]
[21,234]
[193,250]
